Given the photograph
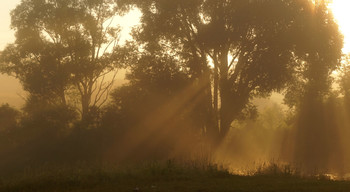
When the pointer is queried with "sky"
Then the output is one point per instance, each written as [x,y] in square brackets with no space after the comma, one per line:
[341,12]
[10,89]
[12,93]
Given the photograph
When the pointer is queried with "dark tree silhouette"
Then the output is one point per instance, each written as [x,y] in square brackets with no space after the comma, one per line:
[62,49]
[255,47]
[310,95]
[194,67]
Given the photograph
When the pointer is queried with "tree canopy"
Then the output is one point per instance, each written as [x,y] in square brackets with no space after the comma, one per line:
[62,49]
[241,49]
[198,73]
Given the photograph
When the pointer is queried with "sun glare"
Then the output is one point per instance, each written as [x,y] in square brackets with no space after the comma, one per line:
[341,11]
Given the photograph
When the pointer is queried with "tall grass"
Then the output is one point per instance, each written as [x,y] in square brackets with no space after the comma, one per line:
[169,175]
[89,174]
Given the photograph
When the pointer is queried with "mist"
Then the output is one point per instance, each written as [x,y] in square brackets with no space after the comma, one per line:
[243,84]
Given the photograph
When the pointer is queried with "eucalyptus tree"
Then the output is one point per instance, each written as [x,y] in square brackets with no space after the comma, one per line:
[62,47]
[241,49]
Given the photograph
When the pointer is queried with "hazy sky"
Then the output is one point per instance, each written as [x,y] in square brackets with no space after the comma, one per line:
[341,11]
[10,89]
[6,35]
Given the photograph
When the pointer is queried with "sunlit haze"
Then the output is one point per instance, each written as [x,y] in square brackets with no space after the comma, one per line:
[175,95]
[341,11]
[10,91]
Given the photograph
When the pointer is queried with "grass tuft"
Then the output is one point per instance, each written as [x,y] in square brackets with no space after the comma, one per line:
[170,175]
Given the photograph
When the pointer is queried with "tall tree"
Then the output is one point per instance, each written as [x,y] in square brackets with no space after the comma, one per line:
[310,95]
[63,46]
[255,47]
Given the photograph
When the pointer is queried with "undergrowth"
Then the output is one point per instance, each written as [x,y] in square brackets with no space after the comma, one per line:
[170,175]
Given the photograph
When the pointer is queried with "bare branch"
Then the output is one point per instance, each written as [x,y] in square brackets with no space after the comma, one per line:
[100,87]
[233,59]
[107,90]
[238,67]
[104,51]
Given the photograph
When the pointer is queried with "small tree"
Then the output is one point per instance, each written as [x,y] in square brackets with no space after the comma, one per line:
[9,118]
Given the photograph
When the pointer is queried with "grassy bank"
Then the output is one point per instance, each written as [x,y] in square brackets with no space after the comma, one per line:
[154,176]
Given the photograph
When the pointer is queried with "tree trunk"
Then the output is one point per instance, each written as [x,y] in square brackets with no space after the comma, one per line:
[225,120]
[85,104]
[215,97]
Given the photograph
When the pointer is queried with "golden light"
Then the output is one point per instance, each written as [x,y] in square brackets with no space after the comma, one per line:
[341,12]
